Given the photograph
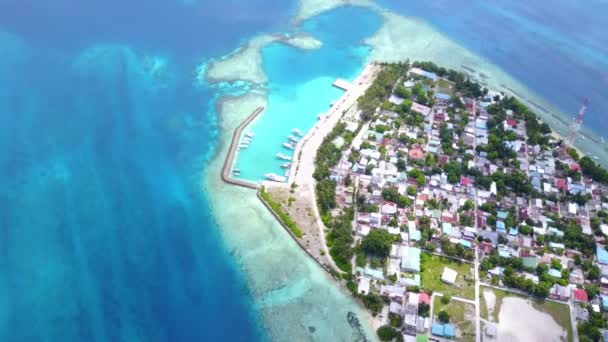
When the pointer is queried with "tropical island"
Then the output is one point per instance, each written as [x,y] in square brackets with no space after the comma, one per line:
[450,211]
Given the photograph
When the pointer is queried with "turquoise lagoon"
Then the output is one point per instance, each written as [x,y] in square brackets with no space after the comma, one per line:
[300,83]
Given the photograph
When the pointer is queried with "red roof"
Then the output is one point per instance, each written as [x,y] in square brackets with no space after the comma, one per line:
[511,122]
[424,298]
[464,181]
[560,183]
[575,167]
[580,295]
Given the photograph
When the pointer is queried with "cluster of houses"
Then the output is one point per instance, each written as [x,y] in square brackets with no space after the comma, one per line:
[402,178]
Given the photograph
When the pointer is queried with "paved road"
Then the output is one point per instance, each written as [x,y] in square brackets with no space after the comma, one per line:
[476,249]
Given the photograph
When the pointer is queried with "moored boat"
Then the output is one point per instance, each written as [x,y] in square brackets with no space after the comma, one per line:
[297,132]
[288,145]
[286,165]
[283,157]
[275,178]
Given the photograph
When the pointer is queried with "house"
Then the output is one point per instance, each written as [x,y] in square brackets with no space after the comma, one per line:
[423,73]
[577,277]
[559,292]
[410,261]
[601,255]
[555,273]
[389,208]
[449,276]
[443,330]
[364,283]
[580,296]
[424,298]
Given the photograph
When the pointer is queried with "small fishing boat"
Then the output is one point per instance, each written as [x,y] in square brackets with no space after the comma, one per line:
[288,145]
[286,165]
[297,132]
[250,135]
[236,172]
[292,138]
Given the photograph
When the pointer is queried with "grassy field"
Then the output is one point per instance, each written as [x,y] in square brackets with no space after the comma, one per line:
[559,312]
[445,87]
[430,277]
[461,316]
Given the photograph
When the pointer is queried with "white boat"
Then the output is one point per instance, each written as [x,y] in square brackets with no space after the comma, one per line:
[247,140]
[297,132]
[275,178]
[286,165]
[236,172]
[288,145]
[283,157]
[250,135]
[292,138]
[596,157]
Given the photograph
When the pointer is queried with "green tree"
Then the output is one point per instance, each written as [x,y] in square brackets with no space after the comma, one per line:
[443,316]
[378,242]
[387,333]
[446,299]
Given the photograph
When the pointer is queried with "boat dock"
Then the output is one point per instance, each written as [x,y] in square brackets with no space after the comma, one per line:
[342,84]
[231,152]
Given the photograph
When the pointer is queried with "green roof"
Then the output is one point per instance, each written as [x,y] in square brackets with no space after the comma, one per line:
[422,338]
[411,261]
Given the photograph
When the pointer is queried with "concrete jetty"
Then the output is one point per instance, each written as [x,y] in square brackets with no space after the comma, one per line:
[232,151]
[342,84]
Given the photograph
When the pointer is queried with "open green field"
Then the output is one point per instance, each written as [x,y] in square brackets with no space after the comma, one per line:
[462,316]
[444,86]
[430,276]
[559,312]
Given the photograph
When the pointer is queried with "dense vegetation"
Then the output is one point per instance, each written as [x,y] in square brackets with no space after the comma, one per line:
[381,89]
[378,242]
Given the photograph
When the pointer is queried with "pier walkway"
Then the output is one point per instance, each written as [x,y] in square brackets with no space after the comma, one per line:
[342,84]
[226,177]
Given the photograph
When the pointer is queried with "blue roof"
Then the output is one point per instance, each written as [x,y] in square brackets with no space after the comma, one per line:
[465,243]
[441,96]
[503,253]
[448,330]
[605,302]
[426,74]
[513,231]
[415,235]
[447,228]
[437,329]
[555,273]
[602,255]
[501,215]
[500,224]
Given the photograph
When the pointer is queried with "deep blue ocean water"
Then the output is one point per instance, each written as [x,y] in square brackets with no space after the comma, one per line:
[104,233]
